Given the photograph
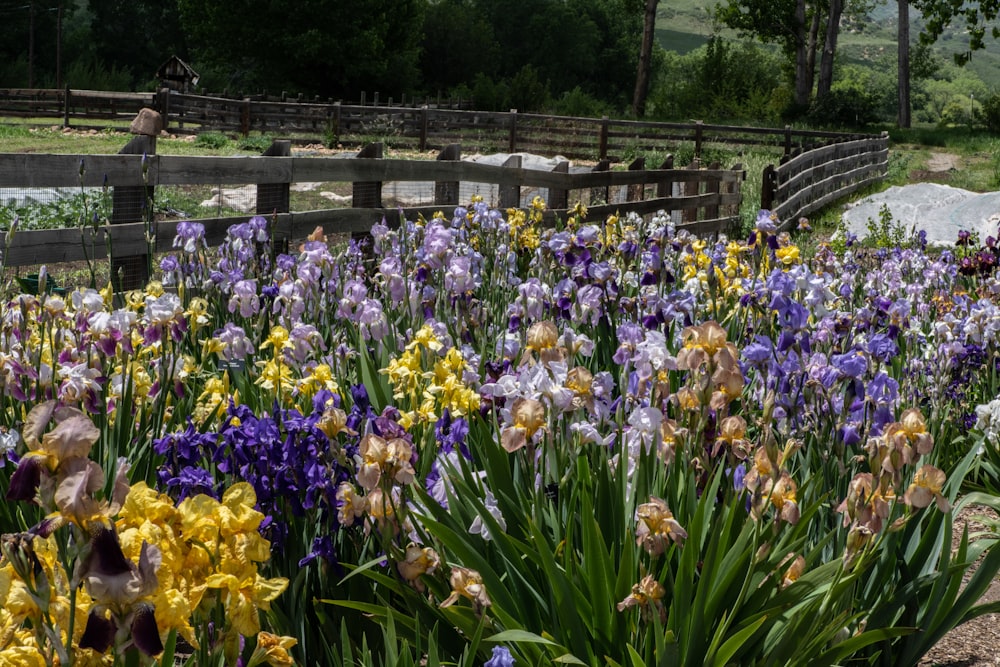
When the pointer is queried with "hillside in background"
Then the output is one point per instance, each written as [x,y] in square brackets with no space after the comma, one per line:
[684,25]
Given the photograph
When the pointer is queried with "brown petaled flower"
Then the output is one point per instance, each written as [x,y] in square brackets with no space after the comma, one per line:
[915,428]
[543,339]
[56,455]
[782,496]
[794,571]
[703,343]
[670,433]
[334,421]
[417,561]
[855,506]
[528,416]
[727,379]
[732,433]
[647,595]
[542,336]
[927,484]
[657,527]
[857,539]
[389,457]
[120,589]
[468,584]
[111,578]
[867,504]
[580,381]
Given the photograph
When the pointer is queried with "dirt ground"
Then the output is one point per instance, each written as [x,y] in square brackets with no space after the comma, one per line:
[976,643]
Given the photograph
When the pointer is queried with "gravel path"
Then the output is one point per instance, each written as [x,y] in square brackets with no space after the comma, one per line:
[976,643]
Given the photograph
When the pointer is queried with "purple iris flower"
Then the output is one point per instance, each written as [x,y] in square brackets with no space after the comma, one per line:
[851,364]
[501,658]
[322,547]
[759,352]
[191,481]
[882,347]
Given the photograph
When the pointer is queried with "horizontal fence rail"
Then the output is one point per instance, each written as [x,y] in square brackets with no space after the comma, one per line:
[427,127]
[704,201]
[809,180]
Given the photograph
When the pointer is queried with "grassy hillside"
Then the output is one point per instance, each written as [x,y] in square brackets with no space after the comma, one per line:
[684,25]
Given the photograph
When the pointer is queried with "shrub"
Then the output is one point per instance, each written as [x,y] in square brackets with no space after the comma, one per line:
[990,113]
[214,140]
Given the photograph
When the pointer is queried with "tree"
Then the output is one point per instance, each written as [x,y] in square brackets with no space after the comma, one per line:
[313,46]
[645,59]
[449,63]
[136,35]
[28,49]
[903,50]
[829,49]
[777,22]
[978,14]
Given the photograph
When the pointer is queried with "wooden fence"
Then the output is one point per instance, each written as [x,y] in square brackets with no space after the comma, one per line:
[706,201]
[809,180]
[420,128]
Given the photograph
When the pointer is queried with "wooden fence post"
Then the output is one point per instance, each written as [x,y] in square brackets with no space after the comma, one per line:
[767,188]
[510,195]
[66,107]
[273,198]
[163,105]
[129,204]
[559,199]
[602,143]
[734,188]
[665,188]
[368,194]
[699,129]
[600,194]
[691,189]
[335,130]
[788,140]
[513,131]
[712,186]
[636,191]
[245,117]
[446,192]
[423,130]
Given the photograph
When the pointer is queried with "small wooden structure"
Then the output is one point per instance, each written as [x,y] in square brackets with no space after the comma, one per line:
[176,74]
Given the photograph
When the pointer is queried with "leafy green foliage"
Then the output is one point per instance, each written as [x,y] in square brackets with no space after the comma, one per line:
[214,140]
[853,101]
[729,81]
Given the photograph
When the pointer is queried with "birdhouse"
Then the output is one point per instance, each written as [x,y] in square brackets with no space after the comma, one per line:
[176,74]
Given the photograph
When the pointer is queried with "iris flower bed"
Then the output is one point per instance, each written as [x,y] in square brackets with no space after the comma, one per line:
[474,440]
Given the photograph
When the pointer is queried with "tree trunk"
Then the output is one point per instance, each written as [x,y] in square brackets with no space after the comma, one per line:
[812,46]
[829,49]
[803,79]
[645,59]
[903,40]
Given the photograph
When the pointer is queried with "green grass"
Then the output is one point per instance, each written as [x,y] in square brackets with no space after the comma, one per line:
[24,139]
[679,41]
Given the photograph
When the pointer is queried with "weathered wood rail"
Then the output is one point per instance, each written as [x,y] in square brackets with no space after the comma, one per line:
[706,200]
[420,128]
[809,180]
